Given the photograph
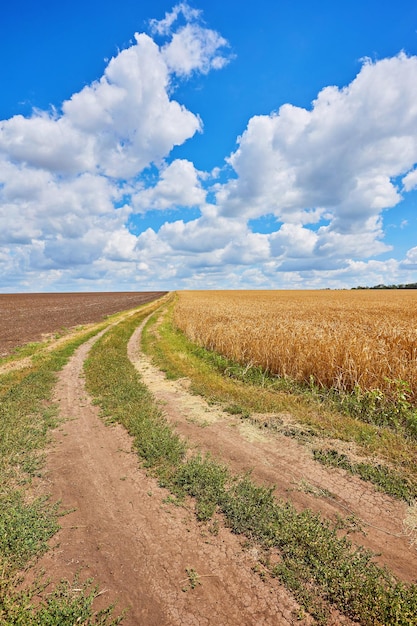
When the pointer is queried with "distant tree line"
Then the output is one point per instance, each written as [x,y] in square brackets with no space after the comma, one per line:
[407,286]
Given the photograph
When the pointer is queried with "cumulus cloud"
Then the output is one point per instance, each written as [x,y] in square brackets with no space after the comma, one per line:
[342,156]
[70,178]
[410,180]
[178,186]
[205,234]
[129,114]
[326,174]
[193,47]
[164,26]
[410,261]
[116,127]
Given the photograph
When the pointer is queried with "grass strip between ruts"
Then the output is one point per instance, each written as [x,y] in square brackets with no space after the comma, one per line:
[319,567]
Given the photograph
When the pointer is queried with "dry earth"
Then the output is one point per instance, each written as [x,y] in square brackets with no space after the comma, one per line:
[123,530]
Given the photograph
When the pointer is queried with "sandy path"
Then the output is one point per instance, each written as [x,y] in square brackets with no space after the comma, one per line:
[281,461]
[121,532]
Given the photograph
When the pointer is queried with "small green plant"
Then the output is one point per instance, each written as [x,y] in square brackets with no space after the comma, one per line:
[192,578]
[205,480]
[236,409]
[65,605]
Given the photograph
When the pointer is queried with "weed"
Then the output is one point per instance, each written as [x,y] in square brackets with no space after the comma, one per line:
[24,527]
[193,578]
[66,605]
[236,409]
[204,479]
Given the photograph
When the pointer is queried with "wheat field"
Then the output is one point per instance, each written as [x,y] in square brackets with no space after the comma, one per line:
[343,339]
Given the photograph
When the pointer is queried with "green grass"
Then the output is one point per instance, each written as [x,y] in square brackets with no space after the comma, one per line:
[67,604]
[320,567]
[124,398]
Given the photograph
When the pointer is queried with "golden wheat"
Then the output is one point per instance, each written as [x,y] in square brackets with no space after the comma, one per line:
[341,338]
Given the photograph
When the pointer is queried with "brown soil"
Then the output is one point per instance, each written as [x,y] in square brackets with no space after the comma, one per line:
[123,530]
[32,317]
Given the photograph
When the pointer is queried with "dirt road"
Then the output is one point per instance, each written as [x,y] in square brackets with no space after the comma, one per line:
[147,553]
[154,557]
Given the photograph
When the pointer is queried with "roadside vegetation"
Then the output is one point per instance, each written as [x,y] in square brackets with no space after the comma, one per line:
[248,389]
[323,569]
[27,521]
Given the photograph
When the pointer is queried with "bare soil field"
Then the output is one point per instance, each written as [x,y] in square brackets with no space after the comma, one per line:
[28,317]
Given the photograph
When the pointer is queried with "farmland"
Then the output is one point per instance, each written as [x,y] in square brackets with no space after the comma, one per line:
[31,317]
[248,498]
[344,340]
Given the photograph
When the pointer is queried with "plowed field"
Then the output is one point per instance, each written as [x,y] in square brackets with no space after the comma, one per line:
[30,317]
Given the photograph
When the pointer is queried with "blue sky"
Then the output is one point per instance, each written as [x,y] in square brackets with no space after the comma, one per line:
[154,145]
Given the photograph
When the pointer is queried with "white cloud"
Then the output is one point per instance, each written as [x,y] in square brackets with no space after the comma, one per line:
[205,234]
[248,249]
[46,142]
[326,174]
[71,179]
[117,126]
[178,186]
[293,241]
[410,180]
[129,113]
[120,246]
[164,26]
[410,262]
[341,156]
[194,49]
[63,173]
